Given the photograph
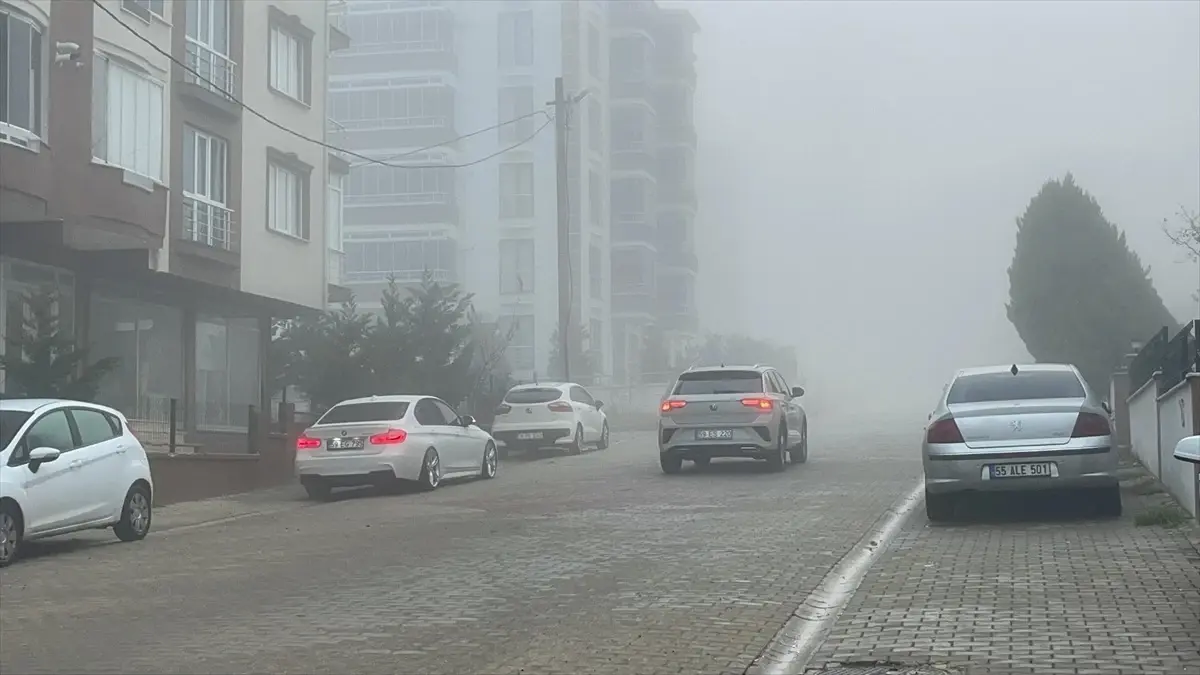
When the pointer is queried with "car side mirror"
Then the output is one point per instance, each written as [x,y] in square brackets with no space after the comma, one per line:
[1188,450]
[797,391]
[40,456]
[599,404]
[467,421]
[1106,406]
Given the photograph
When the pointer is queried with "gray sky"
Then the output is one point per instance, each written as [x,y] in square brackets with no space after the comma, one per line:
[872,158]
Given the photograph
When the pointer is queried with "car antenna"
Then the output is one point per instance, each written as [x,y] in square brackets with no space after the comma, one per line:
[1014,370]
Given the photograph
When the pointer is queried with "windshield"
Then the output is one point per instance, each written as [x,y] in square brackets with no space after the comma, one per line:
[10,423]
[540,395]
[375,411]
[1008,387]
[719,382]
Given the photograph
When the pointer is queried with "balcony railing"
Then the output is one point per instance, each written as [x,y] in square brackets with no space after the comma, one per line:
[207,222]
[218,73]
[337,14]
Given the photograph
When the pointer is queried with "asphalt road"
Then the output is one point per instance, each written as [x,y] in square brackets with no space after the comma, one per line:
[589,564]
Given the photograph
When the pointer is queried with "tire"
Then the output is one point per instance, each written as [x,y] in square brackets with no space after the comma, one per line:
[431,471]
[702,462]
[777,460]
[491,461]
[800,456]
[576,446]
[603,444]
[1108,502]
[939,508]
[11,530]
[136,514]
[671,464]
[318,490]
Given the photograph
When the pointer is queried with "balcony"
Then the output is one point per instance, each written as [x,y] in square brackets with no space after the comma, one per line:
[632,89]
[339,32]
[684,322]
[677,196]
[678,70]
[677,259]
[401,210]
[635,156]
[210,78]
[677,132]
[629,301]
[208,223]
[636,229]
[27,180]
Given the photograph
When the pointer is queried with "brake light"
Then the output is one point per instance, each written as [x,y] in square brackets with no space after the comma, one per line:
[1090,425]
[503,409]
[305,442]
[389,437]
[760,403]
[668,406]
[944,431]
[560,407]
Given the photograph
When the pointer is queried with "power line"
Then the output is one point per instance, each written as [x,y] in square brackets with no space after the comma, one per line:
[494,127]
[364,158]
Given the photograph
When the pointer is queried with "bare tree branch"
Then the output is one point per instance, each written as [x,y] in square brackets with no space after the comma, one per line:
[1185,234]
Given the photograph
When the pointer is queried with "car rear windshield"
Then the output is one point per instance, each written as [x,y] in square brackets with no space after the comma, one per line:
[378,411]
[1034,384]
[540,395]
[10,423]
[719,382]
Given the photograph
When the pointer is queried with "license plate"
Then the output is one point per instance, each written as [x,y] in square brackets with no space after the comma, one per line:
[1031,470]
[346,443]
[714,434]
[530,436]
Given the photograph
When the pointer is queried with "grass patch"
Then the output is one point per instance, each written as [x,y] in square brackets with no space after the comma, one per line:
[1163,515]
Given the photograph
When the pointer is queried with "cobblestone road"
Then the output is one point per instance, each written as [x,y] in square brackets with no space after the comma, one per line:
[589,564]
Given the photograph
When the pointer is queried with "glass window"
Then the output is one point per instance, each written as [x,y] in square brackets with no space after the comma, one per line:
[429,414]
[127,118]
[376,411]
[1025,385]
[51,431]
[533,395]
[288,60]
[10,424]
[517,330]
[147,341]
[515,39]
[516,190]
[579,394]
[516,102]
[287,193]
[21,70]
[516,266]
[594,49]
[227,372]
[708,382]
[596,271]
[446,412]
[94,426]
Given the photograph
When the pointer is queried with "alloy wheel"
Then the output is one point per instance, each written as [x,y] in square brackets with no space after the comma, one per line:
[139,513]
[433,469]
[489,461]
[8,537]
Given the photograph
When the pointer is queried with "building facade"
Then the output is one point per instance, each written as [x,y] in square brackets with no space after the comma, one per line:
[653,195]
[134,179]
[479,211]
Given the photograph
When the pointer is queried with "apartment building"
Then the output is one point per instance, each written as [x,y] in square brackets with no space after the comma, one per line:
[479,211]
[174,223]
[653,195]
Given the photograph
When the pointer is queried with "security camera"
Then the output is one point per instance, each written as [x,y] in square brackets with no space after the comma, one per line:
[67,52]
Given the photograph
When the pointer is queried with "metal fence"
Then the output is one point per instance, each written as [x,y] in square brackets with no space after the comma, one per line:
[1172,357]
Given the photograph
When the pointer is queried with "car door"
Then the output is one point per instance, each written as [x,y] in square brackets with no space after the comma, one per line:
[466,454]
[588,412]
[52,490]
[101,460]
[792,409]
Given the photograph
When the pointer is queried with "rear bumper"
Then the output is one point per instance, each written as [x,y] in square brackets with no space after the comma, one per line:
[753,441]
[404,464]
[1074,468]
[508,436]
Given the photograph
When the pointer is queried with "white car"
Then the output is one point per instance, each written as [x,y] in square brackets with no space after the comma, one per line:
[561,415]
[382,439]
[67,466]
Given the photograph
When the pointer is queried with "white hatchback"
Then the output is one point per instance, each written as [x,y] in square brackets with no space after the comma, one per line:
[67,466]
[550,414]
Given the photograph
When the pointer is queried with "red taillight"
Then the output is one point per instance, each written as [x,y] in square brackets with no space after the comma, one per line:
[668,406]
[1090,425]
[944,431]
[760,403]
[307,443]
[390,437]
[503,409]
[560,407]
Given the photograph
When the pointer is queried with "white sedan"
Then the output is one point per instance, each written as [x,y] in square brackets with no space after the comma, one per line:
[382,439]
[551,414]
[69,466]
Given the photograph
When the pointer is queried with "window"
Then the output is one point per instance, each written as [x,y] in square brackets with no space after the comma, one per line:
[127,118]
[145,8]
[407,260]
[593,49]
[516,190]
[596,271]
[429,414]
[516,266]
[596,339]
[94,426]
[580,395]
[20,79]
[629,272]
[207,44]
[629,127]
[205,181]
[427,29]
[147,341]
[289,64]
[595,198]
[628,58]
[394,108]
[530,395]
[518,328]
[10,423]
[516,102]
[17,280]
[287,201]
[515,39]
[710,382]
[336,212]
[382,185]
[51,431]
[447,412]
[353,413]
[629,196]
[595,124]
[227,368]
[1028,384]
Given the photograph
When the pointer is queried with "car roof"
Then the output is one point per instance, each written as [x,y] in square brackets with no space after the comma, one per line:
[543,385]
[1029,367]
[390,398]
[758,368]
[27,404]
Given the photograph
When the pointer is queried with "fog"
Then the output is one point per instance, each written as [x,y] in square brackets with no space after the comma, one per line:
[861,166]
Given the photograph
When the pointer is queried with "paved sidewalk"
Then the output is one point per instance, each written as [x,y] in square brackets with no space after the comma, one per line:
[1071,594]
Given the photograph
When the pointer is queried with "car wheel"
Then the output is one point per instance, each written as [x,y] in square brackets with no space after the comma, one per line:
[777,460]
[939,508]
[603,444]
[11,529]
[800,456]
[136,514]
[1108,502]
[702,462]
[318,489]
[671,464]
[490,463]
[576,446]
[431,471]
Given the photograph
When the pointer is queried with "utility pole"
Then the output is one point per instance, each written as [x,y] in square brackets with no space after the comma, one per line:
[562,113]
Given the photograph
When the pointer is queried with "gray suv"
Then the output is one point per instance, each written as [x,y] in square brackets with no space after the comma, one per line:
[732,411]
